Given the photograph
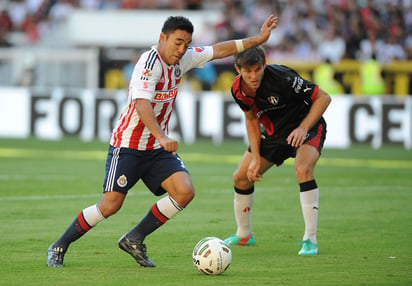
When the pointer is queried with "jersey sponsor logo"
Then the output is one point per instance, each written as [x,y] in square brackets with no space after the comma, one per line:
[273,99]
[122,181]
[297,84]
[165,95]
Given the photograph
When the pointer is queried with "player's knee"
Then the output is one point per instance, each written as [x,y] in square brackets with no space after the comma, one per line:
[185,197]
[109,210]
[239,180]
[303,171]
[190,196]
[109,205]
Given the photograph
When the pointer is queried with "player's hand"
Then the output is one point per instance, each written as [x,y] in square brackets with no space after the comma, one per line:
[253,174]
[169,144]
[267,27]
[297,137]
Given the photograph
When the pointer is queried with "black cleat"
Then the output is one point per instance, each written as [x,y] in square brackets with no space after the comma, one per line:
[137,250]
[55,256]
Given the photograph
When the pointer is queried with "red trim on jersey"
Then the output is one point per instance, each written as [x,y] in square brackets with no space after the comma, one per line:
[250,103]
[267,123]
[315,92]
[315,141]
[83,224]
[155,211]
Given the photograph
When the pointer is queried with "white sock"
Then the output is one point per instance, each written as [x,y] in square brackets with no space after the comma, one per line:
[92,215]
[243,213]
[168,207]
[309,201]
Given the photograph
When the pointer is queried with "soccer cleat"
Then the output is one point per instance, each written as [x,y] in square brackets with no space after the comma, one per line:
[55,256]
[236,240]
[137,250]
[308,248]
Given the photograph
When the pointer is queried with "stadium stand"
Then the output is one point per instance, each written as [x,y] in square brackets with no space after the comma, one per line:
[343,32]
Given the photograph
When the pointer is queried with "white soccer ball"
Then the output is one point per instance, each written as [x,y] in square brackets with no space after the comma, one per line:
[212,256]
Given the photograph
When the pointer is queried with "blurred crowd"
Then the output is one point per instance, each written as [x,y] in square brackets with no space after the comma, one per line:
[317,30]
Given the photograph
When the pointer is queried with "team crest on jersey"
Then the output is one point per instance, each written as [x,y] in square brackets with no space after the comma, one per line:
[273,99]
[178,71]
[122,181]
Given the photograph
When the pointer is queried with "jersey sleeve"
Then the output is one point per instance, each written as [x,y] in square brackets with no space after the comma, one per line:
[300,87]
[146,74]
[196,57]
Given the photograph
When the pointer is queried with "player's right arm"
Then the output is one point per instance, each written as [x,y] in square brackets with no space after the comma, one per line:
[147,116]
[253,132]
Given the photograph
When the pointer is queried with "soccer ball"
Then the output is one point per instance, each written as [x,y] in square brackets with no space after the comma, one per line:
[212,256]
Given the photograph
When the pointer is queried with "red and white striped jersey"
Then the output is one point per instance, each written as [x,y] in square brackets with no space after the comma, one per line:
[153,79]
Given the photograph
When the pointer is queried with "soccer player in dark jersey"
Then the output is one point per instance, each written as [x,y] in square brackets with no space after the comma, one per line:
[283,115]
[140,147]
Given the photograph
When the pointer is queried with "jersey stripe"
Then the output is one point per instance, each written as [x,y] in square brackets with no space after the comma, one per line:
[125,121]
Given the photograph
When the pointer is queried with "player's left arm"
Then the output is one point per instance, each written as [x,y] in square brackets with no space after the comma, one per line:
[319,104]
[230,48]
[253,132]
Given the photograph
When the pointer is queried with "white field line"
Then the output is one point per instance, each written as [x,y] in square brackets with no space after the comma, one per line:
[200,158]
[97,195]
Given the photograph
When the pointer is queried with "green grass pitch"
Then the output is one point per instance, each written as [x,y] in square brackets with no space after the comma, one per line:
[364,234]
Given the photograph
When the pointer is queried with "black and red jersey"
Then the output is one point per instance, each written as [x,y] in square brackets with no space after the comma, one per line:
[281,102]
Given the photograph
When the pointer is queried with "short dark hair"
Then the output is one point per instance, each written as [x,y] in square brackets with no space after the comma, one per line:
[251,57]
[174,23]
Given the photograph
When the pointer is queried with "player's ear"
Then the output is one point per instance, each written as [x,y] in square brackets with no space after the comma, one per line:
[237,68]
[162,37]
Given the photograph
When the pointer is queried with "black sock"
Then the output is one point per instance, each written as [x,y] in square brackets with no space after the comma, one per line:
[152,221]
[77,229]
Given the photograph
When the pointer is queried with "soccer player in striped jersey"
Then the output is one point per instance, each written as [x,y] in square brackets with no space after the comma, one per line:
[283,115]
[140,147]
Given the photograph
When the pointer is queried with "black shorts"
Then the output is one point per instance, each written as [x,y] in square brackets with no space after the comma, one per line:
[125,167]
[277,150]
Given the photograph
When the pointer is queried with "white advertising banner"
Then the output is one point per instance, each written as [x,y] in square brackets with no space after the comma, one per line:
[14,112]
[58,113]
